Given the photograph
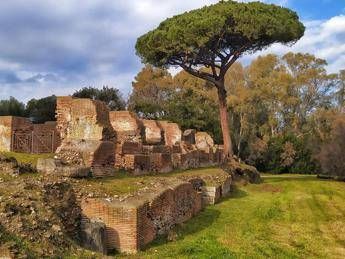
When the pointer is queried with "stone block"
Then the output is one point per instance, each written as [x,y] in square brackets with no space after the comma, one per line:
[211,194]
[171,132]
[129,147]
[226,187]
[93,235]
[152,133]
[127,126]
[85,119]
[204,141]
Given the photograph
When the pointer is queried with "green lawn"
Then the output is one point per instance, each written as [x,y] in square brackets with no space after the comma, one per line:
[288,216]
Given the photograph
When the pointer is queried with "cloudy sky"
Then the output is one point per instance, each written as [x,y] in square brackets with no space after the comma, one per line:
[55,47]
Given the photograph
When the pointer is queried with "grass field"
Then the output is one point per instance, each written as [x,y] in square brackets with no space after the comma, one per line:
[288,216]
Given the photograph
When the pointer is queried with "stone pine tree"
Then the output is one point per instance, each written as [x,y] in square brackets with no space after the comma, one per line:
[215,37]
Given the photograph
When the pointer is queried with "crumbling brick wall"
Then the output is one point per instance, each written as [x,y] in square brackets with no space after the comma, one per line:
[141,146]
[133,223]
[152,133]
[88,139]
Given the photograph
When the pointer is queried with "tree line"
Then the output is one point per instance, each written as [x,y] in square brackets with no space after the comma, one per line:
[283,110]
[286,113]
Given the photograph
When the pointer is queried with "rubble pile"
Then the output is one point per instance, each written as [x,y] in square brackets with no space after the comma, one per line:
[44,216]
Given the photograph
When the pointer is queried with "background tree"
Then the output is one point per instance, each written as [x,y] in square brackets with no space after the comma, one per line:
[215,37]
[41,110]
[111,96]
[12,107]
[150,91]
[332,155]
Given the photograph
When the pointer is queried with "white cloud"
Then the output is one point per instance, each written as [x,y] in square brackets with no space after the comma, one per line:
[92,43]
[324,39]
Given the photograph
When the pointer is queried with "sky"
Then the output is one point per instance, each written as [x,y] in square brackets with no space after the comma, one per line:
[56,47]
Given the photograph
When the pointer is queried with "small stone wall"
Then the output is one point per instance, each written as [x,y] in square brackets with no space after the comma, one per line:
[134,222]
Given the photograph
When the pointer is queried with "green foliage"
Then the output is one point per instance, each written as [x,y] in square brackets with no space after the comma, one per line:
[41,110]
[200,34]
[191,109]
[12,107]
[111,96]
[152,89]
[182,99]
[302,162]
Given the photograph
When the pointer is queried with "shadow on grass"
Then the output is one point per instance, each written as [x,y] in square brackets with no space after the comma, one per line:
[236,193]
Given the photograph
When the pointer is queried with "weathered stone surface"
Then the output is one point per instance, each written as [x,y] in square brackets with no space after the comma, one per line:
[204,141]
[46,165]
[83,119]
[5,133]
[211,194]
[171,132]
[152,133]
[93,235]
[127,126]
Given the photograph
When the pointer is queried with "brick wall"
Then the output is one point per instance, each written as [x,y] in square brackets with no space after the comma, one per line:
[88,139]
[134,222]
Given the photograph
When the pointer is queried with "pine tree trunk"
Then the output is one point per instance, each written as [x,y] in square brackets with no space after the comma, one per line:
[224,121]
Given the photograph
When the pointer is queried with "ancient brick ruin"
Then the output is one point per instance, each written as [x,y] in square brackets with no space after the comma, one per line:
[18,134]
[132,223]
[96,141]
[87,139]
[92,141]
